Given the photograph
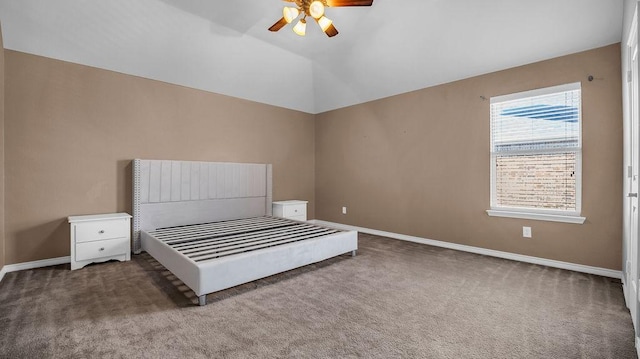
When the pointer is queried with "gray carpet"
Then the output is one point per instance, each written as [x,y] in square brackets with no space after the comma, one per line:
[394,300]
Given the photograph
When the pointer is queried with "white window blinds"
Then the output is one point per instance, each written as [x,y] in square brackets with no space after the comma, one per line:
[536,150]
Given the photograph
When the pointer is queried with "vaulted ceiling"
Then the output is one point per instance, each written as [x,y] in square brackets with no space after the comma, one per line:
[389,48]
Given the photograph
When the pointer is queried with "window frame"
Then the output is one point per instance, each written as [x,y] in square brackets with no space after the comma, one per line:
[538,213]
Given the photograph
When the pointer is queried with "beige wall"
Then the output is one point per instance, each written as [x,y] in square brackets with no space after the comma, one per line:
[418,163]
[415,164]
[2,260]
[73,130]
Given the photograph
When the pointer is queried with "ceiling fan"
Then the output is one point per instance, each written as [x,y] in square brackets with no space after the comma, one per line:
[315,10]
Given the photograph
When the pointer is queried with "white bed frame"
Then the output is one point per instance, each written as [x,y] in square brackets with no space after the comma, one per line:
[178,193]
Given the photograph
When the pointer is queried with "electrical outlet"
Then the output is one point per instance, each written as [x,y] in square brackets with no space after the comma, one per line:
[344,210]
[526,232]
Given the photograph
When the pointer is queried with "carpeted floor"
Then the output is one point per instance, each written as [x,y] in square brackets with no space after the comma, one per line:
[394,300]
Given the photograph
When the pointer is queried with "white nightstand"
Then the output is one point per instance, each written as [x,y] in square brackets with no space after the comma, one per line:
[99,238]
[290,209]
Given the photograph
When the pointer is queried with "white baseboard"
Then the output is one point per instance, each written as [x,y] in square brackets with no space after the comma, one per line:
[35,264]
[488,252]
[638,346]
[460,247]
[625,290]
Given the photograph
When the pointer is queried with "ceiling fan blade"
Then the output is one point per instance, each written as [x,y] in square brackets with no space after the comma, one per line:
[331,31]
[337,3]
[278,25]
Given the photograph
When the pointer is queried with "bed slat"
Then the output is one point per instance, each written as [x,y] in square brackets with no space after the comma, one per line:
[201,242]
[247,240]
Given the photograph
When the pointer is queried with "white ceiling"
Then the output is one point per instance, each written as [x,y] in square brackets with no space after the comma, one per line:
[393,47]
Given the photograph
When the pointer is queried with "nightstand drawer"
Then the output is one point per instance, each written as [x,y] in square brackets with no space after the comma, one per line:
[105,248]
[93,231]
[295,210]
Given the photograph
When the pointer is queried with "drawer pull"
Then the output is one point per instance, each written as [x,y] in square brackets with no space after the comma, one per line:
[101,231]
[101,249]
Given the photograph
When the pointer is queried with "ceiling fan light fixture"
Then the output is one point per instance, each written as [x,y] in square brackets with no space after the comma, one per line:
[331,31]
[316,9]
[324,23]
[290,13]
[301,27]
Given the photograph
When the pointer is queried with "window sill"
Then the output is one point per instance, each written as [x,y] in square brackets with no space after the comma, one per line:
[536,216]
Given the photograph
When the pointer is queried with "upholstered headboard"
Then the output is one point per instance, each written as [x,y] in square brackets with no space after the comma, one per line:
[175,193]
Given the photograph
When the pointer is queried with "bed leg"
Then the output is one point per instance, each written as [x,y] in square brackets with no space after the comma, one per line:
[353,253]
[202,300]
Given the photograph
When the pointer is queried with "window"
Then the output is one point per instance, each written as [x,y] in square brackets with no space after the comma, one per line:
[536,151]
